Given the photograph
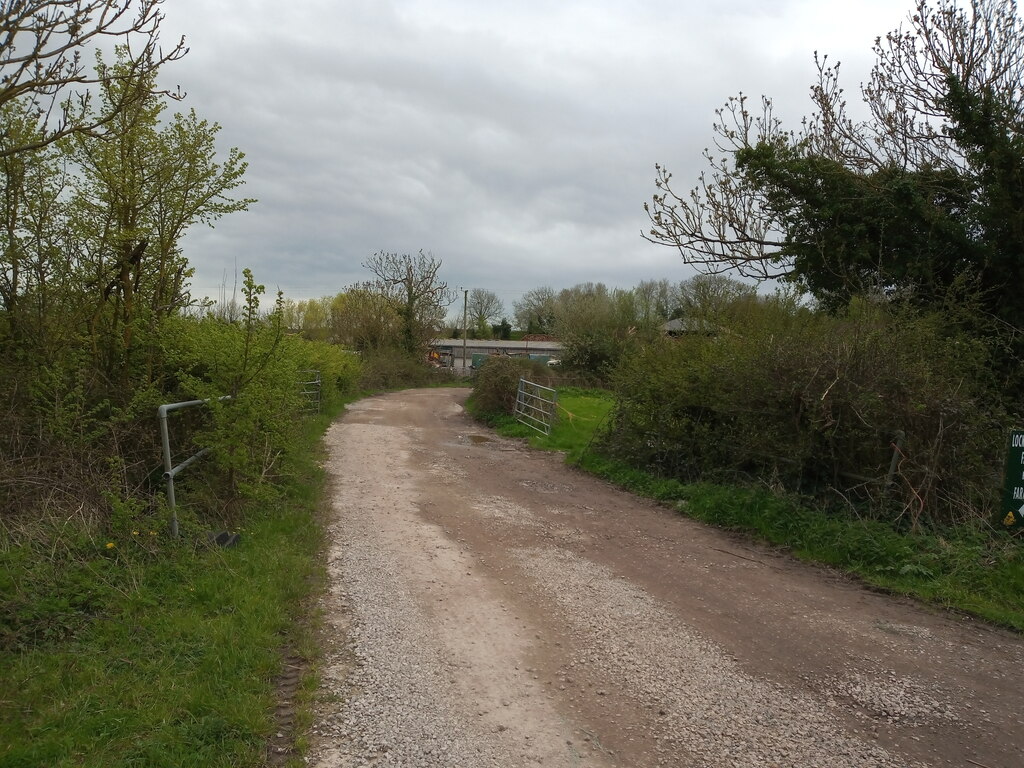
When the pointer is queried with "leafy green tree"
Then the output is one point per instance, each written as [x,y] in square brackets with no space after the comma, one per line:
[481,330]
[502,330]
[309,317]
[535,311]
[596,326]
[919,202]
[135,194]
[655,301]
[365,319]
[710,300]
[91,275]
[34,266]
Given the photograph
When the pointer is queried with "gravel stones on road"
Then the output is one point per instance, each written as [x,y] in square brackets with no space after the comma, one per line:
[705,706]
[488,607]
[430,675]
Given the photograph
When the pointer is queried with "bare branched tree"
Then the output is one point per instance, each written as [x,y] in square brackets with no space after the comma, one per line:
[419,295]
[42,43]
[722,223]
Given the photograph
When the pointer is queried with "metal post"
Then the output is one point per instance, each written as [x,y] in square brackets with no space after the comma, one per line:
[169,469]
[465,330]
[897,446]
[165,438]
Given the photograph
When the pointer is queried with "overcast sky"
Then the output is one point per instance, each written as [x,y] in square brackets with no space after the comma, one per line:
[515,141]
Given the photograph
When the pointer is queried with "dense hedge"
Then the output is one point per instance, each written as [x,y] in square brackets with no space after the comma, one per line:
[80,446]
[263,369]
[884,411]
[392,368]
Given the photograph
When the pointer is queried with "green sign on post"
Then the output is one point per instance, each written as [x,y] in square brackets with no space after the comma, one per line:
[1012,515]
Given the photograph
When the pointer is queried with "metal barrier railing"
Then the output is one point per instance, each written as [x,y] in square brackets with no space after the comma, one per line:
[170,470]
[536,406]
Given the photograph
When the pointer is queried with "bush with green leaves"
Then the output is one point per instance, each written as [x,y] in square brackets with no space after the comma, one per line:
[85,486]
[80,447]
[496,383]
[262,369]
[90,250]
[881,409]
[389,368]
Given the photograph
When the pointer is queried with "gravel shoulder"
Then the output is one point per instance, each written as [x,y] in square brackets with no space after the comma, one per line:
[489,606]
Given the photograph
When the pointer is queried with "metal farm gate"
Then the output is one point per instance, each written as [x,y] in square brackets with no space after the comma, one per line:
[536,406]
[312,387]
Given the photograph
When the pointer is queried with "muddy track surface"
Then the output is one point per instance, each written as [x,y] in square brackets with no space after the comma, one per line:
[490,607]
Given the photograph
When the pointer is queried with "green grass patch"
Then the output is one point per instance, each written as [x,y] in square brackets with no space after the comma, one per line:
[158,653]
[976,570]
[581,412]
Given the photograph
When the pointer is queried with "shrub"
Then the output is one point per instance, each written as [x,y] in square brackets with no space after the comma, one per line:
[341,370]
[593,351]
[384,369]
[253,435]
[79,447]
[496,383]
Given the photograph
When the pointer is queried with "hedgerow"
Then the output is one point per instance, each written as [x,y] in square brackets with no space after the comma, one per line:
[880,410]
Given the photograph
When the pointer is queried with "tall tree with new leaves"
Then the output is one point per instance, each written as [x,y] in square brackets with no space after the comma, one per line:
[535,311]
[484,307]
[135,195]
[34,266]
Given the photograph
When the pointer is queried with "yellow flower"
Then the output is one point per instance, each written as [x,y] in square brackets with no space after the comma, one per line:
[152,533]
[135,533]
[110,545]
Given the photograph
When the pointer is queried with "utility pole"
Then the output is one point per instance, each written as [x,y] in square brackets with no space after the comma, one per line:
[465,330]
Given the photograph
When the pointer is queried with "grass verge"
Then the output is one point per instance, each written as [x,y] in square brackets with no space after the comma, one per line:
[975,570]
[165,653]
[581,412]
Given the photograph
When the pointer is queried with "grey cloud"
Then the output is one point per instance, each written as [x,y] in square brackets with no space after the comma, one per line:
[516,141]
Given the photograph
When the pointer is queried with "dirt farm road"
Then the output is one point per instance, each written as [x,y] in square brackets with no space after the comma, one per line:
[490,607]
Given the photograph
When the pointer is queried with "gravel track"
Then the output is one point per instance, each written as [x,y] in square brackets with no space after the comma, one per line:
[490,607]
